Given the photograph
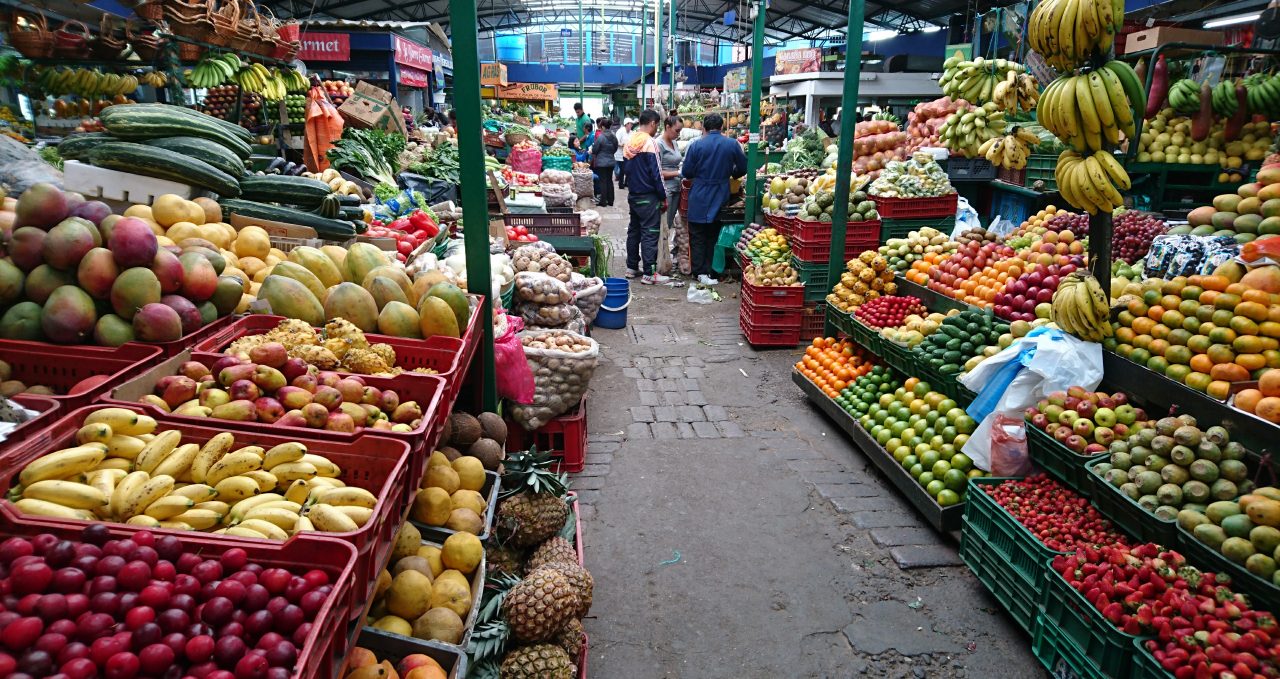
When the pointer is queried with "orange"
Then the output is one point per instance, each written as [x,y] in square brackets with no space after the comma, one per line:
[1269,343]
[1222,317]
[1143,325]
[1198,381]
[1218,283]
[1158,346]
[1235,289]
[1176,372]
[1247,400]
[1137,307]
[1191,324]
[1251,362]
[1124,350]
[1125,335]
[1252,311]
[1273,358]
[1247,344]
[1157,364]
[1155,312]
[1229,372]
[1177,354]
[1201,363]
[1269,409]
[1174,285]
[1222,335]
[1187,307]
[1199,344]
[1179,337]
[1269,383]
[1191,292]
[1208,296]
[1143,342]
[1269,328]
[1160,331]
[1219,389]
[1221,354]
[911,383]
[1205,313]
[1243,326]
[1170,301]
[1125,318]
[1227,301]
[1273,312]
[1259,296]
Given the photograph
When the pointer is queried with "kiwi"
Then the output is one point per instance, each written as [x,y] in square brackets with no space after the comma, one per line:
[492,427]
[489,451]
[464,429]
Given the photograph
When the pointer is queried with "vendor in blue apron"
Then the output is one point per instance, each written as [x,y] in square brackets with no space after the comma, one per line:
[709,164]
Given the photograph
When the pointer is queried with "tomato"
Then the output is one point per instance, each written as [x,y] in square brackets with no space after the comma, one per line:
[520,230]
[404,247]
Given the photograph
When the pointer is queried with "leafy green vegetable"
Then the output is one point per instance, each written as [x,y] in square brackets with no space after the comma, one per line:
[804,151]
[384,192]
[50,155]
[440,163]
[373,154]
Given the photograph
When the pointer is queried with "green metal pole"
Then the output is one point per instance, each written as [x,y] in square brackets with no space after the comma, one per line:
[657,51]
[644,47]
[671,58]
[757,84]
[475,208]
[581,58]
[844,157]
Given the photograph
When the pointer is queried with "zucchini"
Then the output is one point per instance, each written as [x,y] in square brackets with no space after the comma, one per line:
[165,164]
[329,207]
[330,229]
[229,126]
[142,122]
[210,152]
[278,188]
[78,146]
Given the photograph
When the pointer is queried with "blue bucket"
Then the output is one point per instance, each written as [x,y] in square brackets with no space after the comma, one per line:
[613,310]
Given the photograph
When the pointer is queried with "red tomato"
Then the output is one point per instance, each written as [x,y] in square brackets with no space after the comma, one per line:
[404,247]
[521,230]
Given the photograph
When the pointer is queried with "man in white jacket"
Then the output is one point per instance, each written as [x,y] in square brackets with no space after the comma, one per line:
[623,134]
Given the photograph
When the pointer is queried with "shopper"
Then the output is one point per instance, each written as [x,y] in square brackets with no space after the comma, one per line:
[582,119]
[588,137]
[602,162]
[623,135]
[709,164]
[669,157]
[646,197]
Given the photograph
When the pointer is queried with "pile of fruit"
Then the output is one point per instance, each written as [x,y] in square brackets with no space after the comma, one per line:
[915,328]
[1001,81]
[1060,519]
[220,102]
[167,608]
[361,663]
[1174,465]
[926,119]
[959,338]
[1132,232]
[77,274]
[1252,212]
[245,491]
[1032,232]
[281,390]
[1264,401]
[1017,329]
[450,491]
[427,594]
[787,193]
[888,311]
[866,277]
[1245,529]
[1090,423]
[295,108]
[337,346]
[1030,296]
[818,207]
[833,364]
[337,90]
[768,247]
[1203,331]
[974,273]
[967,131]
[1169,138]
[919,177]
[901,252]
[777,273]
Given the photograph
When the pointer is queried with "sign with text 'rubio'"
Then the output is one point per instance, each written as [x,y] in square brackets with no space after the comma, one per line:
[325,47]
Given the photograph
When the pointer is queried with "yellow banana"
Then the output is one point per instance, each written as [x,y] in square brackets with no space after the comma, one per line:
[327,518]
[281,518]
[289,472]
[66,493]
[1088,113]
[210,452]
[29,505]
[348,496]
[122,421]
[280,504]
[267,528]
[117,463]
[105,481]
[175,524]
[266,480]
[179,461]
[233,464]
[238,509]
[359,515]
[168,507]
[98,432]
[199,492]
[325,482]
[303,524]
[285,452]
[151,490]
[243,532]
[144,521]
[157,450]
[298,491]
[122,446]
[199,519]
[219,508]
[235,488]
[1101,99]
[1113,169]
[63,463]
[323,466]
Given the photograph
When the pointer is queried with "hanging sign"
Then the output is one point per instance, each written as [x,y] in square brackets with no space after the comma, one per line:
[325,47]
[527,91]
[805,60]
[493,74]
[410,53]
[412,77]
[737,80]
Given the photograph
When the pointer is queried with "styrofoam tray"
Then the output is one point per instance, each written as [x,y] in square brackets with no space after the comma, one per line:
[100,182]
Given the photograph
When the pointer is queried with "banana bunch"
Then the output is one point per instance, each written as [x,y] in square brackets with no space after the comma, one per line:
[155,79]
[294,81]
[1011,150]
[1184,97]
[123,469]
[258,79]
[966,130]
[1068,32]
[1224,99]
[981,80]
[214,70]
[1082,308]
[1090,182]
[1017,92]
[83,82]
[1263,94]
[1087,110]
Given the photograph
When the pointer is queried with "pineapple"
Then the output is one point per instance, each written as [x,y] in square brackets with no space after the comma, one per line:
[571,638]
[555,550]
[503,559]
[581,582]
[540,606]
[541,661]
[535,510]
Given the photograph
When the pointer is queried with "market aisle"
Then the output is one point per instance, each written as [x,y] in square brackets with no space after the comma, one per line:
[734,532]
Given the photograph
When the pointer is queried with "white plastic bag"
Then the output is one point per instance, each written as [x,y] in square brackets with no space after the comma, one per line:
[1044,361]
[699,295]
[966,218]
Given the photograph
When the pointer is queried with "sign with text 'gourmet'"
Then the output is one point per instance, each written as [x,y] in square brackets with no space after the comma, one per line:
[325,47]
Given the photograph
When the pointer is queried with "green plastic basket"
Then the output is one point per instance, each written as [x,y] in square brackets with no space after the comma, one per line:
[900,228]
[1145,665]
[1125,511]
[1063,658]
[899,358]
[1106,651]
[816,280]
[1262,594]
[867,337]
[725,246]
[1040,167]
[1061,462]
[557,163]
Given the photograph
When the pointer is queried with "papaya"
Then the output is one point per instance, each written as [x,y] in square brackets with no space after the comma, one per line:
[299,273]
[455,298]
[397,275]
[398,319]
[318,264]
[361,259]
[436,317]
[384,291]
[337,255]
[354,303]
[1264,512]
[291,299]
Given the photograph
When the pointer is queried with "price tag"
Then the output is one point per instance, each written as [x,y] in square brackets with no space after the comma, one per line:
[753,138]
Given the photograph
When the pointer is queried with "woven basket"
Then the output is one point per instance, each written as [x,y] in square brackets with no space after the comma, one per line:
[225,20]
[189,23]
[190,52]
[69,43]
[514,138]
[107,46]
[151,11]
[35,42]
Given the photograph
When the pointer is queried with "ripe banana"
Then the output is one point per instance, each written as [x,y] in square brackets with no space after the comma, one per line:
[168,507]
[67,493]
[289,472]
[212,451]
[1067,33]
[99,432]
[63,463]
[200,519]
[36,507]
[327,518]
[157,450]
[348,496]
[179,461]
[235,488]
[285,452]
[122,421]
[198,492]
[234,464]
[148,492]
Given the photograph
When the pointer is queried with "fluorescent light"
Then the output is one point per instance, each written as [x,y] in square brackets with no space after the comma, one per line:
[876,36]
[930,29]
[1229,21]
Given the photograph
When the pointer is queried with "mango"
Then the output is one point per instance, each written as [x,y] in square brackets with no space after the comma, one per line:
[455,298]
[354,303]
[68,316]
[299,273]
[43,280]
[67,243]
[318,263]
[112,331]
[398,319]
[384,290]
[133,289]
[157,322]
[397,275]
[22,322]
[291,299]
[361,259]
[11,283]
[436,317]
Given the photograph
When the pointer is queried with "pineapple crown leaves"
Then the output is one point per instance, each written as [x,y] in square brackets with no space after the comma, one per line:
[570,530]
[488,643]
[496,589]
[484,669]
[530,470]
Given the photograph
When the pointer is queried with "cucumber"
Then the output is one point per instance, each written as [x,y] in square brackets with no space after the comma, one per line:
[136,122]
[277,188]
[330,229]
[210,152]
[165,164]
[78,146]
[229,126]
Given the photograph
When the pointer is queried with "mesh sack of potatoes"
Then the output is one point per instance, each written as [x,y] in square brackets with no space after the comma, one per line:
[546,315]
[584,183]
[588,294]
[538,260]
[539,288]
[562,362]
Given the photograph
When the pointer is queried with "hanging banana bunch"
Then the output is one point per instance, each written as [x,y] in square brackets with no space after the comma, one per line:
[980,80]
[1090,182]
[966,130]
[1067,33]
[1010,151]
[1094,108]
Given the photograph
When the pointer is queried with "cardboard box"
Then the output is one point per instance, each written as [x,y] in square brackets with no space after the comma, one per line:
[273,228]
[371,107]
[1163,35]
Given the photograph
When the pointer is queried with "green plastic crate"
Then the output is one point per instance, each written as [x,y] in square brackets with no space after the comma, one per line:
[1060,656]
[1125,511]
[1060,462]
[1040,167]
[900,228]
[1108,651]
[816,280]
[1262,594]
[900,358]
[1145,665]
[867,337]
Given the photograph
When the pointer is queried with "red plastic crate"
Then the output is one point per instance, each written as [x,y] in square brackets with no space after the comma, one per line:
[547,224]
[577,525]
[820,252]
[61,367]
[427,390]
[582,658]
[441,354]
[375,463]
[916,208]
[187,341]
[820,232]
[565,437]
[769,337]
[773,296]
[47,411]
[322,654]
[471,339]
[814,322]
[769,318]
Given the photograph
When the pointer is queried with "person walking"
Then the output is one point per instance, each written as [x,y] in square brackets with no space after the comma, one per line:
[581,119]
[623,134]
[645,199]
[669,158]
[602,162]
[709,164]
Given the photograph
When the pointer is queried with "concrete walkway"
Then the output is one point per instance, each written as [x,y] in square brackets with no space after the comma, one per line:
[734,532]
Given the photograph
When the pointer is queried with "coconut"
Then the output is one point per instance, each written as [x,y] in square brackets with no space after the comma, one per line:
[492,427]
[450,452]
[465,429]
[489,451]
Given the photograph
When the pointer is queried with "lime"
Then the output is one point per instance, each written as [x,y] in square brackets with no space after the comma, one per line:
[921,448]
[892,444]
[954,415]
[883,436]
[886,400]
[880,416]
[947,450]
[925,478]
[909,461]
[966,424]
[900,453]
[915,470]
[955,479]
[960,440]
[935,487]
[946,405]
[928,458]
[931,417]
[948,434]
[937,441]
[940,468]
[897,428]
[962,462]
[975,473]
[947,497]
[922,389]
